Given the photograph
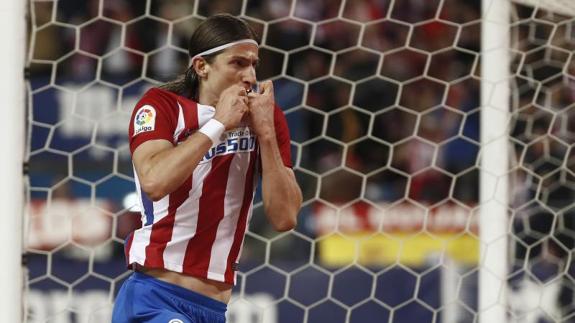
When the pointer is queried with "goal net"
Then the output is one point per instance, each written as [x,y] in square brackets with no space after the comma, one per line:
[542,177]
[383,102]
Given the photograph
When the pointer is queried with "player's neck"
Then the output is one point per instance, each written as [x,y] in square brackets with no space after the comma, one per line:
[207,98]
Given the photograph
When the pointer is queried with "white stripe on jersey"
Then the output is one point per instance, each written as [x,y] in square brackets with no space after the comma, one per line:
[227,226]
[181,123]
[186,221]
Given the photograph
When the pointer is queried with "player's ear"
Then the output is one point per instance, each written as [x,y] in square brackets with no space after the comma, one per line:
[201,67]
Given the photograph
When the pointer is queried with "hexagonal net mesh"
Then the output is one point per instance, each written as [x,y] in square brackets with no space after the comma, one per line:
[382,102]
[557,6]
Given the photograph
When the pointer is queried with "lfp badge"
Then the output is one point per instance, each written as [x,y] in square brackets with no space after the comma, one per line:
[145,119]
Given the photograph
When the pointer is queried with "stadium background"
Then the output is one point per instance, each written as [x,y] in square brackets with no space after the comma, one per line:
[384,118]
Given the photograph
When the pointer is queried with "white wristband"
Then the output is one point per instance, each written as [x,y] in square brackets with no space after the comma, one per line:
[213,129]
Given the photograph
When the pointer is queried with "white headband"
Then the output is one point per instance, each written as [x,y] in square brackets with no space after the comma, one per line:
[222,47]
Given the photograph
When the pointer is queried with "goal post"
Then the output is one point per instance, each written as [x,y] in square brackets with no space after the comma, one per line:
[12,141]
[495,116]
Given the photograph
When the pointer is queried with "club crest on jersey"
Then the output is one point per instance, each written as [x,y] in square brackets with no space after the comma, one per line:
[145,119]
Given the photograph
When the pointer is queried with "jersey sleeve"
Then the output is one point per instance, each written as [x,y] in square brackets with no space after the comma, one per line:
[154,117]
[282,136]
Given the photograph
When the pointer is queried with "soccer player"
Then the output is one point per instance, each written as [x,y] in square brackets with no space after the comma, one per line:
[199,145]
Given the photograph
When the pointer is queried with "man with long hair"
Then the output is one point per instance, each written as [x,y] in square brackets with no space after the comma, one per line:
[199,145]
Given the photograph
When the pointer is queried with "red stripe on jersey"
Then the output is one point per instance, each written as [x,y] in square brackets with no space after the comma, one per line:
[162,230]
[242,221]
[190,110]
[210,213]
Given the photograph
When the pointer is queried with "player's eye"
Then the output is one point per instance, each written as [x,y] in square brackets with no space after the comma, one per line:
[239,62]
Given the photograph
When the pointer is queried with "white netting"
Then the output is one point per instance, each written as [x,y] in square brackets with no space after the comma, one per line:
[542,131]
[382,101]
[564,7]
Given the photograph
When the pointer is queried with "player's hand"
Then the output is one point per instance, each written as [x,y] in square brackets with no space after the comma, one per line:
[232,106]
[261,110]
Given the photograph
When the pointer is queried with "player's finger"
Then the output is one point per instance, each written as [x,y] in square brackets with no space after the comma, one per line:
[266,87]
[237,90]
[263,87]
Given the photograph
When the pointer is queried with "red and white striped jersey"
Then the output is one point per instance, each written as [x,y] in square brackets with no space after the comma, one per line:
[199,228]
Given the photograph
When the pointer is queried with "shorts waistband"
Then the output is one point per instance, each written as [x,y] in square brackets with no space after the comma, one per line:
[184,293]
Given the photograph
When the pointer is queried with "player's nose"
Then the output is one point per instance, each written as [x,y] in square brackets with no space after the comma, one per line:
[249,77]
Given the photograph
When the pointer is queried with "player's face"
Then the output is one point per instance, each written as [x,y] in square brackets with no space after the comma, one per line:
[235,65]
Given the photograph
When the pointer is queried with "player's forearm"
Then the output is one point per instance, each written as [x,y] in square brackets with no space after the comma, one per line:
[281,194]
[170,168]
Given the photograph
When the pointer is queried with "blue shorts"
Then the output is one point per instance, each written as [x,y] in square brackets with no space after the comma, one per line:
[143,298]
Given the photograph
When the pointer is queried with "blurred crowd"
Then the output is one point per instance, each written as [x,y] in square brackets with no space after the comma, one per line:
[406,82]
[392,93]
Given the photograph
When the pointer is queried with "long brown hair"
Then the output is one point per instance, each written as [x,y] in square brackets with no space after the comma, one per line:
[215,31]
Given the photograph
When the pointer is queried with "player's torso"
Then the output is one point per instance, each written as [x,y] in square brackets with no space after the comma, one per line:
[198,229]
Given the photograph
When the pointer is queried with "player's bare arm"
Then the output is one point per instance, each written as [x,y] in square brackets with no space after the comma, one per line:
[163,167]
[281,194]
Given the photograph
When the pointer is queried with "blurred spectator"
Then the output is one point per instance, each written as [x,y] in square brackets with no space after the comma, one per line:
[101,37]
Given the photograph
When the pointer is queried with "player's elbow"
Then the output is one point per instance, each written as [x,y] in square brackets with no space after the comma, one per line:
[153,189]
[288,217]
[285,223]
[156,196]
[284,226]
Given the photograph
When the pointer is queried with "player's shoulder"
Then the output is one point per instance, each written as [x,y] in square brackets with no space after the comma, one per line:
[162,99]
[159,94]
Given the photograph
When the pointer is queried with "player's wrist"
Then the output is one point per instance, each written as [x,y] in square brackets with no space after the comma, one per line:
[213,129]
[266,134]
